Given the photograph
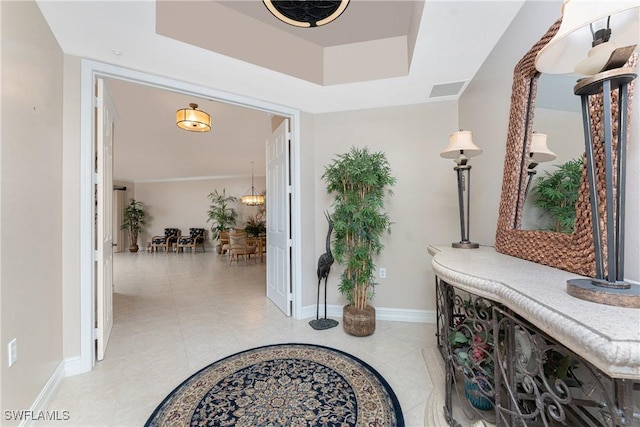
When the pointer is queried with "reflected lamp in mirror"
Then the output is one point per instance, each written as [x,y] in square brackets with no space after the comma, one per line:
[539,153]
[607,139]
[594,36]
[460,149]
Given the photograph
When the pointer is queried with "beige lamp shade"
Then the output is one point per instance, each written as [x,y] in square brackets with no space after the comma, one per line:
[193,120]
[461,143]
[253,199]
[570,50]
[539,152]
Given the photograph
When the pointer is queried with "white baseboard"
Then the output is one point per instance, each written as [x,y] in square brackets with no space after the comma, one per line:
[74,366]
[406,315]
[46,395]
[393,314]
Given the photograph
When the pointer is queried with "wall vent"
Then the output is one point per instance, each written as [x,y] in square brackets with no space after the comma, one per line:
[446,89]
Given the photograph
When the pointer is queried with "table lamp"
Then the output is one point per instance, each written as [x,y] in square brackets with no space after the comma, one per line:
[460,149]
[596,38]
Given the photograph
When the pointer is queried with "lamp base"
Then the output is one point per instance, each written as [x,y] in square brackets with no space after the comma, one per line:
[587,290]
[465,245]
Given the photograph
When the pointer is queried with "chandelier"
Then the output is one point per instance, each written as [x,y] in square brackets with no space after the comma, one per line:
[252,199]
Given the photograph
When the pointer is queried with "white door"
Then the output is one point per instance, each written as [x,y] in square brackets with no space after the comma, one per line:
[278,219]
[105,119]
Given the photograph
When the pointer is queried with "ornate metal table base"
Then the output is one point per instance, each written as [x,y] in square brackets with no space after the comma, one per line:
[528,378]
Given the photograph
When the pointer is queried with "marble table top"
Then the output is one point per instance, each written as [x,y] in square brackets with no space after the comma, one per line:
[608,337]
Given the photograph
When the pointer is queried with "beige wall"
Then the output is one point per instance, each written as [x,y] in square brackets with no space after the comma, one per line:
[310,214]
[31,216]
[71,207]
[184,204]
[424,206]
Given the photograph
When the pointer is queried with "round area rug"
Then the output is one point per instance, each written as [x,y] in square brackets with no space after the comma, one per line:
[282,385]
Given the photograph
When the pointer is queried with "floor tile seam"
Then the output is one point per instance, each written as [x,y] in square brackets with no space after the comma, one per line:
[204,288]
[413,378]
[420,406]
[411,344]
[179,324]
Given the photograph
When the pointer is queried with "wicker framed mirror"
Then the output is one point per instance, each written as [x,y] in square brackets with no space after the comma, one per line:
[572,252]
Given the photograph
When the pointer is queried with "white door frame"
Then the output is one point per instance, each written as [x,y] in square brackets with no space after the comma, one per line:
[90,70]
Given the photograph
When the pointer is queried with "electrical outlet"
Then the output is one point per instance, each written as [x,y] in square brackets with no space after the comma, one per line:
[383,273]
[13,351]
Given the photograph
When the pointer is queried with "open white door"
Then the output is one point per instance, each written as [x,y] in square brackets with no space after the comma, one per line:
[105,119]
[278,219]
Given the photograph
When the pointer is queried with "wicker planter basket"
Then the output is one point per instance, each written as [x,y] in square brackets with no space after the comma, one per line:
[359,323]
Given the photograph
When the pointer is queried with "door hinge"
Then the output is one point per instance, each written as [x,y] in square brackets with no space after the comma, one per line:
[289,243]
[96,333]
[290,296]
[289,188]
[97,102]
[96,255]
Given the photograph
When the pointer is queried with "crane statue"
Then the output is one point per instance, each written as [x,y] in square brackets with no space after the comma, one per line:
[324,267]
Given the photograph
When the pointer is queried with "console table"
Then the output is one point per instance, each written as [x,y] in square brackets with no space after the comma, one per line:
[529,353]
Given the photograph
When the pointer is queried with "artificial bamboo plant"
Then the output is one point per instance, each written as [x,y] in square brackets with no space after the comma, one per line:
[359,182]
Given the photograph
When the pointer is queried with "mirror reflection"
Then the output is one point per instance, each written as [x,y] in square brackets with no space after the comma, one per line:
[554,181]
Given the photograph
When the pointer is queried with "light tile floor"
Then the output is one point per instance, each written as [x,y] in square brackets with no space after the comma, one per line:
[176,313]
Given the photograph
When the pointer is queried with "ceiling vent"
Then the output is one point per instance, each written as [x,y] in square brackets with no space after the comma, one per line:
[446,89]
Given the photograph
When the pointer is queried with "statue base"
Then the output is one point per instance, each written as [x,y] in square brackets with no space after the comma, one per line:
[320,324]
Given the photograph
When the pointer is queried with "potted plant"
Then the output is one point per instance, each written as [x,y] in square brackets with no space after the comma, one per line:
[472,343]
[255,226]
[557,193]
[359,181]
[133,222]
[221,214]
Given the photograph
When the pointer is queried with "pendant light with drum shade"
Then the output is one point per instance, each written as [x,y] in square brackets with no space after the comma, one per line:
[252,199]
[192,119]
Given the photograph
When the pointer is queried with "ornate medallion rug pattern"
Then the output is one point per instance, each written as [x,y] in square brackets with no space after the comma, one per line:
[282,385]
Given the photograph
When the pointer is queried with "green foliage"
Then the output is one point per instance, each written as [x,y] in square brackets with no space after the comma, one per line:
[558,366]
[472,339]
[133,220]
[557,193]
[359,181]
[255,225]
[220,214]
